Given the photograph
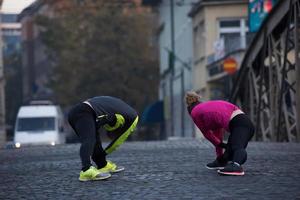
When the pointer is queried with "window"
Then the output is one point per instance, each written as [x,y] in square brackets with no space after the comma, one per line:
[230,23]
[232,41]
[36,124]
[234,32]
[9,18]
[11,32]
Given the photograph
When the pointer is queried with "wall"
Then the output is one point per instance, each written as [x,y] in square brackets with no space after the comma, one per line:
[182,78]
[208,17]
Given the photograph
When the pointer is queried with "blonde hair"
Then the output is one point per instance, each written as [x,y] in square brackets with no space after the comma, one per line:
[192,97]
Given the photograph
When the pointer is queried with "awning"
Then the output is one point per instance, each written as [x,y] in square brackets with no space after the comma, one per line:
[153,113]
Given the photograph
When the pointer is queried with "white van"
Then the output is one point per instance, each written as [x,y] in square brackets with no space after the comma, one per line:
[39,123]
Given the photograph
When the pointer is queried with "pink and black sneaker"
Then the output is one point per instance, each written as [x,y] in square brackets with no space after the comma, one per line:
[216,165]
[232,169]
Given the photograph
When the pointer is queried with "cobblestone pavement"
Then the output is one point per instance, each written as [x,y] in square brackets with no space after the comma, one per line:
[154,170]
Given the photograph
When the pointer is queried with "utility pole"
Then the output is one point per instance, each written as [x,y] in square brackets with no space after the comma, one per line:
[172,27]
[2,94]
[297,62]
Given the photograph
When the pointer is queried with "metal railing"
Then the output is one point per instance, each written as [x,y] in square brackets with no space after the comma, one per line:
[268,83]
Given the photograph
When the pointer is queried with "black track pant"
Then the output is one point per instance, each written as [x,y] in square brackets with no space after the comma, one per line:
[241,131]
[82,119]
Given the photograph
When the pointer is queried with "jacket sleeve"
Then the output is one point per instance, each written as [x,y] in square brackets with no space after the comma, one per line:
[215,137]
[219,134]
[106,119]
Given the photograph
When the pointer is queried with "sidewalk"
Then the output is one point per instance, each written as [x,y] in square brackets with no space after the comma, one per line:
[154,170]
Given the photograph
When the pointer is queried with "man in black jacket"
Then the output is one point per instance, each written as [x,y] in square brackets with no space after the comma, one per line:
[116,117]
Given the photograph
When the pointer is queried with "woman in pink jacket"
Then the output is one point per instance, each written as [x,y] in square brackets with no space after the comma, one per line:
[212,118]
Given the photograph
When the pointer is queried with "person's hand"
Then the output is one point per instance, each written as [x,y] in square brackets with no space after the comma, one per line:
[223,145]
[111,120]
[106,119]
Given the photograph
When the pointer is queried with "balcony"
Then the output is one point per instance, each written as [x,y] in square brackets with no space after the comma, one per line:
[215,69]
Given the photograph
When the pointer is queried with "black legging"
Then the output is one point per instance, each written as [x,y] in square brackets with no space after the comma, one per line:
[241,131]
[82,120]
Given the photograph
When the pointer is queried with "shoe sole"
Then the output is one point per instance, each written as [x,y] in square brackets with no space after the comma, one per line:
[118,170]
[232,173]
[211,168]
[96,179]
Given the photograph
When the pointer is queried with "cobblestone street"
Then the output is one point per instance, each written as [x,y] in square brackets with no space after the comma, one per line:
[154,170]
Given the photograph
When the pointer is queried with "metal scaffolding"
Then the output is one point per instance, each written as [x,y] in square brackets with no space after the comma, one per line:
[268,83]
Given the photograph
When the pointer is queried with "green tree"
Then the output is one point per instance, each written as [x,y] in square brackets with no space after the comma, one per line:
[97,49]
[13,89]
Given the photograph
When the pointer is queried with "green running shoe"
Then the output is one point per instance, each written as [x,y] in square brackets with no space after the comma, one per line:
[92,174]
[111,167]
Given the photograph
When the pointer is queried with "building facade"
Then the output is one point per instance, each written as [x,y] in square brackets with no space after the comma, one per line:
[11,37]
[195,38]
[174,37]
[220,31]
[35,64]
[11,33]
[2,94]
